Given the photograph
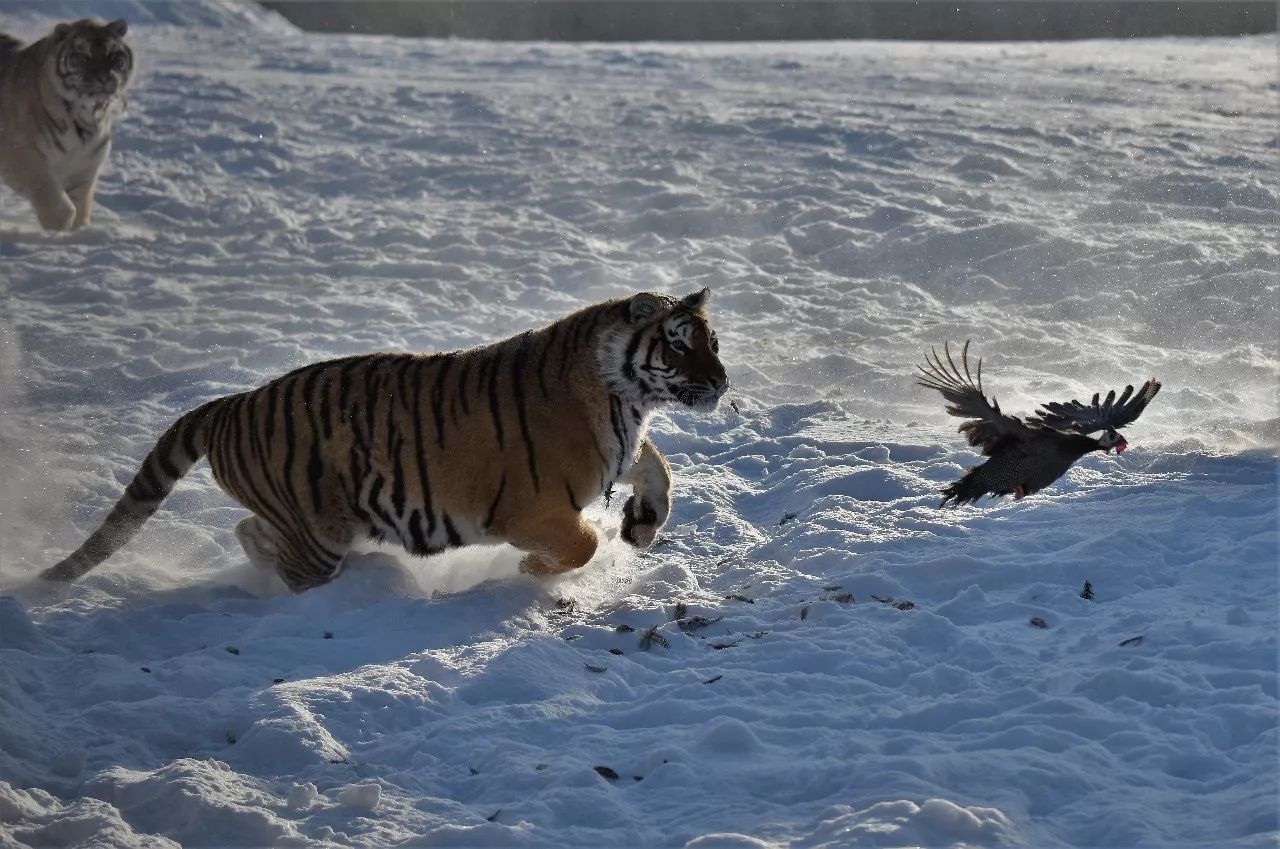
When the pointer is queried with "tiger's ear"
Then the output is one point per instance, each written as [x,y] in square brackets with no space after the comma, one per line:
[61,29]
[118,28]
[697,300]
[643,307]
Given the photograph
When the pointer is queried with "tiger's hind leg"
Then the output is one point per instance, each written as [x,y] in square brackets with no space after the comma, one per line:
[555,544]
[298,556]
[257,540]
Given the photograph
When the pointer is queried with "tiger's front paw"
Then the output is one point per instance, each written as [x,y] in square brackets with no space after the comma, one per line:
[55,213]
[639,522]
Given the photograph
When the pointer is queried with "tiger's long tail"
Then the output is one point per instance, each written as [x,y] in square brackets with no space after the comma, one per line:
[181,446]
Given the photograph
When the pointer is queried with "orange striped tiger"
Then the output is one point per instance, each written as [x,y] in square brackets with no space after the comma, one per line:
[505,442]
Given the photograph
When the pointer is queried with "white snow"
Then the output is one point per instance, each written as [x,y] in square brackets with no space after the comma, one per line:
[360,797]
[1089,213]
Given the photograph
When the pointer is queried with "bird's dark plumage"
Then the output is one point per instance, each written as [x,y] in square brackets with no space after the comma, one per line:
[1025,456]
[987,428]
[1086,418]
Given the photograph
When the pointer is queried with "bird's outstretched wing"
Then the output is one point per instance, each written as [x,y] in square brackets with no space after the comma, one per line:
[988,427]
[1086,418]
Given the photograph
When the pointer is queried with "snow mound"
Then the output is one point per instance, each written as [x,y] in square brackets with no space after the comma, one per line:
[903,824]
[36,818]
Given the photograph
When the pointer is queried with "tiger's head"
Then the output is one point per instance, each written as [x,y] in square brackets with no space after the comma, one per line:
[90,60]
[666,351]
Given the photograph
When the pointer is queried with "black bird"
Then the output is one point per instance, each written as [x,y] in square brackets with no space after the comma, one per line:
[1026,456]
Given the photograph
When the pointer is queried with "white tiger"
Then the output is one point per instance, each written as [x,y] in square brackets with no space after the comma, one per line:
[58,96]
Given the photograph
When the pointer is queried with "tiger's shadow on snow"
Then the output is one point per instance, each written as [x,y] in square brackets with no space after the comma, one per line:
[380,609]
[207,669]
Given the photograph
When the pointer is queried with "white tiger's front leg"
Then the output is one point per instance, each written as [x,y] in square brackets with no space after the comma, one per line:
[648,509]
[86,184]
[53,208]
[82,197]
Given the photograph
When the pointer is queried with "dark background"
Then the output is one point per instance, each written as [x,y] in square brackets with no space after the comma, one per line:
[740,20]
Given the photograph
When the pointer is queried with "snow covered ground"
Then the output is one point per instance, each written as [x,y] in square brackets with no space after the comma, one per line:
[1090,214]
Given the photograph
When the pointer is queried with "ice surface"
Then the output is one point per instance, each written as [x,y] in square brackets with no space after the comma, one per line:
[1090,214]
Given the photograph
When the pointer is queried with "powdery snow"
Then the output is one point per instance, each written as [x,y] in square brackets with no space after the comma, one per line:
[1089,213]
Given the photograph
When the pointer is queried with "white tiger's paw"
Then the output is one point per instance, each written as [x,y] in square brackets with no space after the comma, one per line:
[639,523]
[56,213]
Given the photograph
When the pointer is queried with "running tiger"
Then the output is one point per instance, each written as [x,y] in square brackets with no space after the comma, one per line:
[506,442]
[57,99]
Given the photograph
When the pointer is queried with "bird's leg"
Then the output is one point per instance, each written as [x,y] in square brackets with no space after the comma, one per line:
[1019,492]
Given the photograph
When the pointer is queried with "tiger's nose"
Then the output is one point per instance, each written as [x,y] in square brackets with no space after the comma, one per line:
[720,383]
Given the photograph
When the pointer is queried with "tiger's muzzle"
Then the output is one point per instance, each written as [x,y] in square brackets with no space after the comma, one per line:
[703,396]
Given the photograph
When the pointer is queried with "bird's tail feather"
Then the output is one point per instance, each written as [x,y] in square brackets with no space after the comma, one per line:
[964,491]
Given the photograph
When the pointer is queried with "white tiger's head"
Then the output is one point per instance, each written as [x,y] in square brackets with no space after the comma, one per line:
[90,61]
[666,351]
